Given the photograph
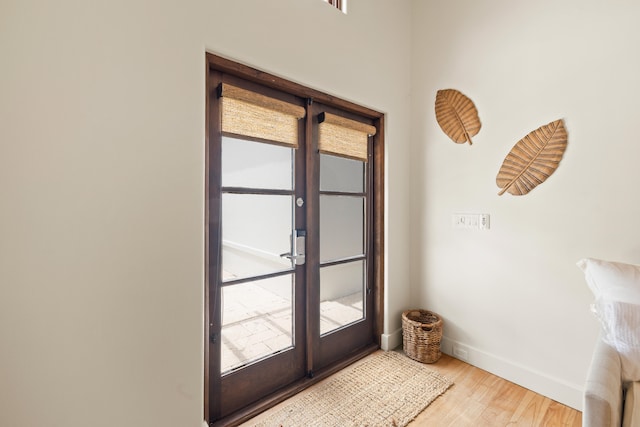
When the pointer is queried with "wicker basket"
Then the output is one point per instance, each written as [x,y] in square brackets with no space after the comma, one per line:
[421,335]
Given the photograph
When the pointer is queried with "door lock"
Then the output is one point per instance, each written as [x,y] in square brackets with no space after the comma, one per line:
[298,243]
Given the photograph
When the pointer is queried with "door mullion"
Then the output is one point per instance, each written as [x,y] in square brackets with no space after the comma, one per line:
[260,191]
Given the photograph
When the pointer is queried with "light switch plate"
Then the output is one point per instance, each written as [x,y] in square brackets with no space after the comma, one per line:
[471,221]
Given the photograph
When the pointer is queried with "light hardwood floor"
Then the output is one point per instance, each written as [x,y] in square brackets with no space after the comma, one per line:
[479,399]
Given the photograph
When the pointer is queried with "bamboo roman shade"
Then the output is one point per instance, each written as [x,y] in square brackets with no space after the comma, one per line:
[343,137]
[255,115]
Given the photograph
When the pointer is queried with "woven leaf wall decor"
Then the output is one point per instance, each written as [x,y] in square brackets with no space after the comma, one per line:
[457,115]
[533,159]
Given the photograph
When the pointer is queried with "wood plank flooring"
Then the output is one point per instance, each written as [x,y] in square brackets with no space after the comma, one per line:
[479,399]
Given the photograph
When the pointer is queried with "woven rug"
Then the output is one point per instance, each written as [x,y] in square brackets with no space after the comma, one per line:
[383,389]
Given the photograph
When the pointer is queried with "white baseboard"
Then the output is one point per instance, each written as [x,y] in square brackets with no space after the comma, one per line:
[391,341]
[553,388]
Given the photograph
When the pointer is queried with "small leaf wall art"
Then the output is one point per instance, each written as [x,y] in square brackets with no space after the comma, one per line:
[533,159]
[457,116]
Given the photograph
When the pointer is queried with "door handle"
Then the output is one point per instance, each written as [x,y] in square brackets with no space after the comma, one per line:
[298,243]
[288,255]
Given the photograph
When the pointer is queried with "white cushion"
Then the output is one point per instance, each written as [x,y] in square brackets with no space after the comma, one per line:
[612,280]
[616,287]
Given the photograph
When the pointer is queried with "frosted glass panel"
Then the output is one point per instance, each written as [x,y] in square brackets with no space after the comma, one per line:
[256,230]
[256,165]
[341,295]
[340,174]
[257,320]
[341,227]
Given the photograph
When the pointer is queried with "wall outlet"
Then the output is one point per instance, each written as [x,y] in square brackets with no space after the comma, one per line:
[461,352]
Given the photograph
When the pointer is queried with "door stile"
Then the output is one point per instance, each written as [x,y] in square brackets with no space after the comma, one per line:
[301,223]
[377,233]
[313,238]
[213,251]
[369,243]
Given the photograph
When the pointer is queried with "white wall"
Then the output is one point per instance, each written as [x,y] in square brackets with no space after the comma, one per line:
[102,192]
[101,182]
[513,294]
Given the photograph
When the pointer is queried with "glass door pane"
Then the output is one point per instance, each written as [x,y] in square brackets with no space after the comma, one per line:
[341,174]
[258,283]
[251,164]
[341,227]
[342,242]
[257,320]
[256,230]
[341,295]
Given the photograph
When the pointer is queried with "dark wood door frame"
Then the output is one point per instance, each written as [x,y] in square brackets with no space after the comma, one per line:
[215,66]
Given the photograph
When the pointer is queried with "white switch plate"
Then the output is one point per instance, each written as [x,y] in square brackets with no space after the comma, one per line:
[485,222]
[471,221]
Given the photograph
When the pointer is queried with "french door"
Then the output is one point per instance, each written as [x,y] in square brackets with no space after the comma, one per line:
[290,241]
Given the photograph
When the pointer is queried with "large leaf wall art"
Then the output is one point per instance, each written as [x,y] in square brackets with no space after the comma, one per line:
[533,159]
[457,116]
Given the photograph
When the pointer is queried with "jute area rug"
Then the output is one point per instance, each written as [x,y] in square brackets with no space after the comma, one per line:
[383,389]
